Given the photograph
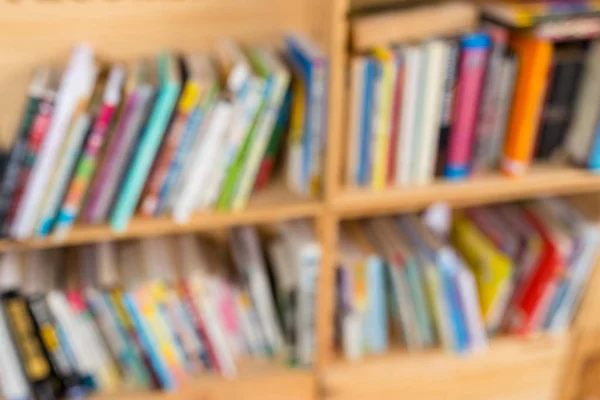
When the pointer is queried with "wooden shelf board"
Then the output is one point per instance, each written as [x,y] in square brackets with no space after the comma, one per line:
[512,368]
[491,188]
[256,380]
[272,204]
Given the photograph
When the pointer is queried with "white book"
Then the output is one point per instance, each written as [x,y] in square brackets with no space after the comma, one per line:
[265,124]
[408,122]
[252,336]
[306,252]
[352,326]
[470,302]
[72,84]
[355,119]
[203,162]
[68,156]
[251,265]
[247,90]
[582,130]
[12,379]
[426,141]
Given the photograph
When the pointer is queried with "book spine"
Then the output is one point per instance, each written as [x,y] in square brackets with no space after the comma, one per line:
[63,174]
[383,114]
[449,99]
[488,113]
[149,342]
[197,174]
[535,57]
[377,310]
[142,161]
[472,67]
[72,82]
[412,56]
[266,167]
[428,140]
[162,164]
[10,179]
[34,362]
[84,171]
[355,117]
[266,123]
[397,99]
[14,383]
[34,142]
[366,122]
[117,142]
[376,107]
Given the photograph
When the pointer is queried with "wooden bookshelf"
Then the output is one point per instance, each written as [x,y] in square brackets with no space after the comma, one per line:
[270,205]
[38,31]
[512,368]
[541,180]
[256,380]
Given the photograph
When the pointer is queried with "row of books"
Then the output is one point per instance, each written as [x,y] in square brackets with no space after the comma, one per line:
[152,313]
[174,134]
[514,269]
[492,99]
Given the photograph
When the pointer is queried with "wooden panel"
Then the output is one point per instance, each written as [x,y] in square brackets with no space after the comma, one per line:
[273,204]
[257,381]
[512,369]
[33,32]
[491,188]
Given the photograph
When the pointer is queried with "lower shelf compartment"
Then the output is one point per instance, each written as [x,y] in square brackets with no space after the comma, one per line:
[256,380]
[512,369]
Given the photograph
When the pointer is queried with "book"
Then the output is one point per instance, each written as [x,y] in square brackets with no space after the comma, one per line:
[488,118]
[582,129]
[265,126]
[189,100]
[413,61]
[526,14]
[37,86]
[382,116]
[398,89]
[197,172]
[71,147]
[567,70]
[473,63]
[72,83]
[309,63]
[426,145]
[138,100]
[168,92]
[371,71]
[411,23]
[534,63]
[87,162]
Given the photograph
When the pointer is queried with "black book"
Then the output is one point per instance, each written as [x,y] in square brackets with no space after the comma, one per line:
[568,64]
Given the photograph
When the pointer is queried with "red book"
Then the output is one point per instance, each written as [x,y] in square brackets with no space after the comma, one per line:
[531,301]
[208,355]
[395,128]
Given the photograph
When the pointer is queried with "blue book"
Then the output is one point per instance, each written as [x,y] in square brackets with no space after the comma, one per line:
[447,266]
[169,87]
[594,156]
[150,342]
[376,323]
[364,173]
[311,66]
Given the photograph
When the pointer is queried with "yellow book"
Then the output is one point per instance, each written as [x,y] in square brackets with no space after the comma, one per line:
[294,155]
[383,116]
[492,269]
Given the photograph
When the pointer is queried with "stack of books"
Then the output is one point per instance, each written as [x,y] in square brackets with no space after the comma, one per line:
[516,269]
[500,98]
[172,134]
[152,313]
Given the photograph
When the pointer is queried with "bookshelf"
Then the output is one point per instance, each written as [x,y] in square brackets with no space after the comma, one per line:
[36,31]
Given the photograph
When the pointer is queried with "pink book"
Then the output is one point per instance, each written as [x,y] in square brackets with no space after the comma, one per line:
[395,124]
[473,62]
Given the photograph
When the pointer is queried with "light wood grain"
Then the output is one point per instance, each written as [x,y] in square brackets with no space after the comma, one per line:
[513,369]
[257,380]
[491,188]
[273,204]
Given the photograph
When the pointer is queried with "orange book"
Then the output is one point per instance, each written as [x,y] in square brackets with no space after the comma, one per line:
[535,57]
